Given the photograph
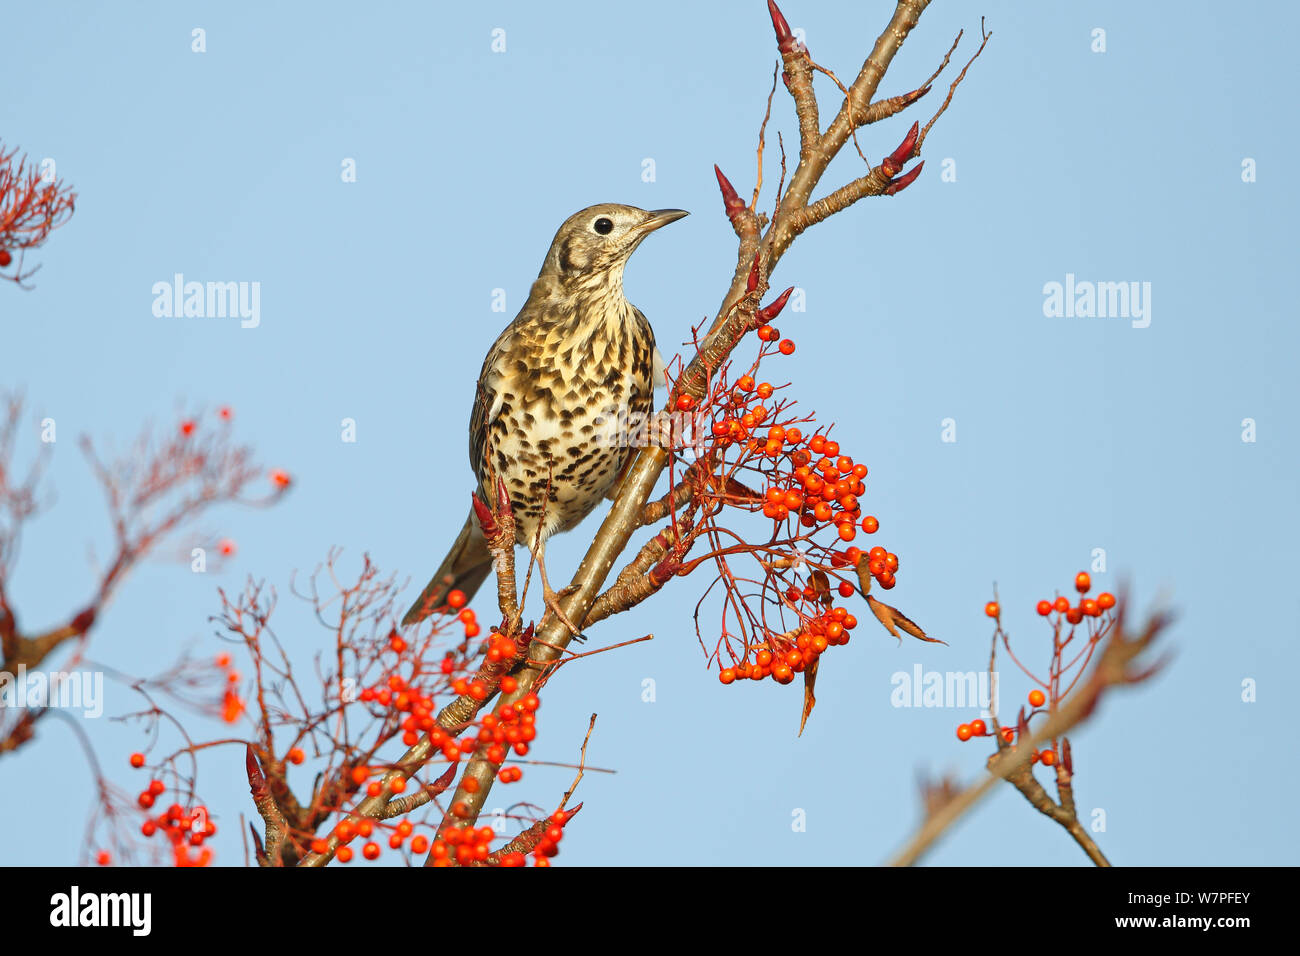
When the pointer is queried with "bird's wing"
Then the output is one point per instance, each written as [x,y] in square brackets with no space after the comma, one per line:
[657,369]
[488,398]
[657,364]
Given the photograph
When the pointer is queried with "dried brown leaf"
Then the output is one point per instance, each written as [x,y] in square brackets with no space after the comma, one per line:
[809,698]
[893,619]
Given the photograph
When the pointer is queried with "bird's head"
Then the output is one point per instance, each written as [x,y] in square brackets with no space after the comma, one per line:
[593,245]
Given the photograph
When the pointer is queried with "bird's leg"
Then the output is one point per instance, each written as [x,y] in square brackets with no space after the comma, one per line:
[552,598]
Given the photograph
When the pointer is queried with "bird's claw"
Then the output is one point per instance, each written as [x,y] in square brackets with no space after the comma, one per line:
[552,601]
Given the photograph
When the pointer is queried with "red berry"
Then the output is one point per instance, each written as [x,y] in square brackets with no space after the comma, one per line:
[1061,604]
[1037,698]
[992,609]
[1105,600]
[1044,608]
[964,732]
[870,525]
[137,760]
[1082,582]
[786,346]
[977,728]
[1048,757]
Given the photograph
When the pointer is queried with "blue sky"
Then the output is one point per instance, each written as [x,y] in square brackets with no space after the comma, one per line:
[1072,433]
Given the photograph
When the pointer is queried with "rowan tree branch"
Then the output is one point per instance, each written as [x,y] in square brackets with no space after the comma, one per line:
[1114,667]
[733,321]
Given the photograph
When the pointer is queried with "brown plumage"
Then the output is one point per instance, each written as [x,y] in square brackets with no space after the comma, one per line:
[576,358]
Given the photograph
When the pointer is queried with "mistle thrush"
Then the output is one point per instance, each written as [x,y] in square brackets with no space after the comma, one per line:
[541,419]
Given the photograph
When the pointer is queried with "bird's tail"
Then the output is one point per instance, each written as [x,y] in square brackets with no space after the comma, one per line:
[466,565]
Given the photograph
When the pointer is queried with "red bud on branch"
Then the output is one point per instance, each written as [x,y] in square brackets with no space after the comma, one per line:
[730,201]
[256,780]
[905,180]
[785,41]
[910,98]
[444,781]
[751,282]
[1066,760]
[503,499]
[82,622]
[895,160]
[485,519]
[771,311]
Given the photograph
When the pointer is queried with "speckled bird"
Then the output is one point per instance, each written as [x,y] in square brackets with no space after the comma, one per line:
[541,418]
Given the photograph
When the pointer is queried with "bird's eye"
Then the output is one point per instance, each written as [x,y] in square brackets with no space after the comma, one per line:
[603,226]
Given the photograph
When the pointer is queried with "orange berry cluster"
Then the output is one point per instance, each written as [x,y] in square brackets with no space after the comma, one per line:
[1087,607]
[511,727]
[408,696]
[1073,614]
[232,705]
[977,728]
[463,845]
[467,845]
[456,600]
[767,333]
[821,492]
[348,830]
[826,630]
[739,419]
[881,564]
[188,830]
[549,845]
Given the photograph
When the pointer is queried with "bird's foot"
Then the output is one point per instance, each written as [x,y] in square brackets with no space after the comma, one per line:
[552,601]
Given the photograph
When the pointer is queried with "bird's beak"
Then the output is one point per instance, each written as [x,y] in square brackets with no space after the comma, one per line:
[661,217]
